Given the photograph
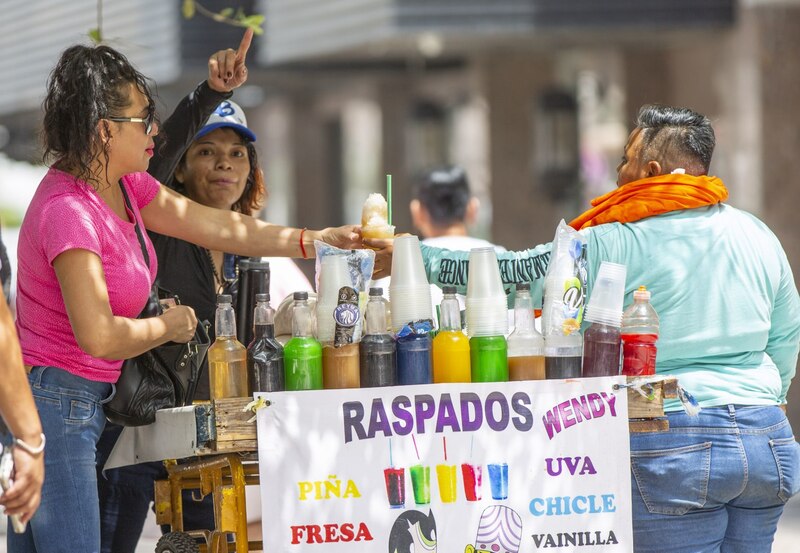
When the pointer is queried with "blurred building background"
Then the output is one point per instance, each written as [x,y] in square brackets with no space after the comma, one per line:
[534,97]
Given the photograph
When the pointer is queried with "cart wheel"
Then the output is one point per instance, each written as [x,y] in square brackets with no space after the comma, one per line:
[177,542]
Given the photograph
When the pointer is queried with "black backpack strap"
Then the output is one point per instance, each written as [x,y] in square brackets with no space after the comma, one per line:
[139,234]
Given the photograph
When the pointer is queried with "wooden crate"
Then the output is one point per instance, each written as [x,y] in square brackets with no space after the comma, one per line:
[225,428]
[646,414]
[232,431]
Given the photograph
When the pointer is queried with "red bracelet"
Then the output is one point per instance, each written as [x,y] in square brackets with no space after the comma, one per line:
[302,247]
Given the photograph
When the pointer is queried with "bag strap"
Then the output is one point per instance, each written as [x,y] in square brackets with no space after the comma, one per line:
[139,234]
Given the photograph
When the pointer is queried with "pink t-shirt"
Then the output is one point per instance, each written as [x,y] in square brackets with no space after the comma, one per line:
[64,215]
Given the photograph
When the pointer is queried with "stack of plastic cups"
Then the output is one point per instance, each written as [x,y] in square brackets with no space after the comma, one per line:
[409,290]
[333,275]
[487,318]
[410,296]
[601,341]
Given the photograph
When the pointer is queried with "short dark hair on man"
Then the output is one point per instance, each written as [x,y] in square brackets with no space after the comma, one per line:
[676,137]
[444,193]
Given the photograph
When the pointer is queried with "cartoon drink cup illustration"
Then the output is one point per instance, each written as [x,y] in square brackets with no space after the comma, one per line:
[472,475]
[395,479]
[421,484]
[446,477]
[498,480]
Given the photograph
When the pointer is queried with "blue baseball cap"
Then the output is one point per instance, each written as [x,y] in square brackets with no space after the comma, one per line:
[228,114]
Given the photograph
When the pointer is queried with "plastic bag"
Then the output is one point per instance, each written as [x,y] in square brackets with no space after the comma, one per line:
[360,264]
[565,283]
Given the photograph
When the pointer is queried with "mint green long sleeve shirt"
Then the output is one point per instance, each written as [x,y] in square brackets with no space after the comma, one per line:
[727,302]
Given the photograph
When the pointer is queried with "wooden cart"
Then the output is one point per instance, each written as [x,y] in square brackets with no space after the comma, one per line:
[227,461]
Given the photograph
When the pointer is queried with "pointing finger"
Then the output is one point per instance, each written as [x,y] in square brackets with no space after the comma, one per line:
[244,45]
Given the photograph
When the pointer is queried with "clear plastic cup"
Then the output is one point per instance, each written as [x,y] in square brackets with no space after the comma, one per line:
[483,276]
[333,275]
[409,291]
[487,316]
[608,295]
[408,269]
[410,304]
[385,231]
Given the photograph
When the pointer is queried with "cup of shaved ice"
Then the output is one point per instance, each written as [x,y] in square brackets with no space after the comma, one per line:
[374,218]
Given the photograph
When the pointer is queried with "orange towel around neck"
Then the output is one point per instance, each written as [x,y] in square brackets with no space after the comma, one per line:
[652,196]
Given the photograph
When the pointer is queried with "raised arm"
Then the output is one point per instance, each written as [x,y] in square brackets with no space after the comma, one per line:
[177,132]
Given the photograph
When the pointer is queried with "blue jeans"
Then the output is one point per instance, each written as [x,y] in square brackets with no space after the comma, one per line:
[714,483]
[71,411]
[126,494]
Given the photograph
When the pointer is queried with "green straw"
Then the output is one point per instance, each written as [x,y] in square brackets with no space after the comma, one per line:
[389,197]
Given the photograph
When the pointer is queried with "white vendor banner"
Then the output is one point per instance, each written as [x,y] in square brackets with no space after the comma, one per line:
[486,468]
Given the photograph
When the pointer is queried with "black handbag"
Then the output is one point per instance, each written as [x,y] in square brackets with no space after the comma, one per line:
[163,377]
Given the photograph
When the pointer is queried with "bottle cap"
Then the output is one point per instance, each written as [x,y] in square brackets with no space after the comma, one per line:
[262,297]
[252,264]
[300,296]
[523,286]
[378,291]
[224,298]
[448,289]
[642,294]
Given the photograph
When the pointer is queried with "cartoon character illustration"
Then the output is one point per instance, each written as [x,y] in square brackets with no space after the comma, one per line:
[499,531]
[413,532]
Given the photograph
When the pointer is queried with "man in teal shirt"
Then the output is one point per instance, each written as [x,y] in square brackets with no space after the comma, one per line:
[729,330]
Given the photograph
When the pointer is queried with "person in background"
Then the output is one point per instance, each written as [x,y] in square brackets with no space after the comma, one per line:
[729,331]
[21,419]
[442,211]
[82,276]
[219,169]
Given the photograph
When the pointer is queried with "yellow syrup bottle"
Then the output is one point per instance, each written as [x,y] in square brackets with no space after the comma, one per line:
[227,358]
[451,346]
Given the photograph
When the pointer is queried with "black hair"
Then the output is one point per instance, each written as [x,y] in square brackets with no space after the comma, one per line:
[444,193]
[676,137]
[89,83]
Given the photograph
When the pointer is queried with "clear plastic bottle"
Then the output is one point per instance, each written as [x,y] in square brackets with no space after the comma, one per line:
[265,353]
[302,356]
[525,344]
[451,346]
[639,335]
[378,351]
[227,357]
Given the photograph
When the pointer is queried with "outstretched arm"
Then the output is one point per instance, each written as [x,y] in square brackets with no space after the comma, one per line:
[449,267]
[223,230]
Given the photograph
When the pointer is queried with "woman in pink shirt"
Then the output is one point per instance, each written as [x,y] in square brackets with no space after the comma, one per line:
[82,276]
